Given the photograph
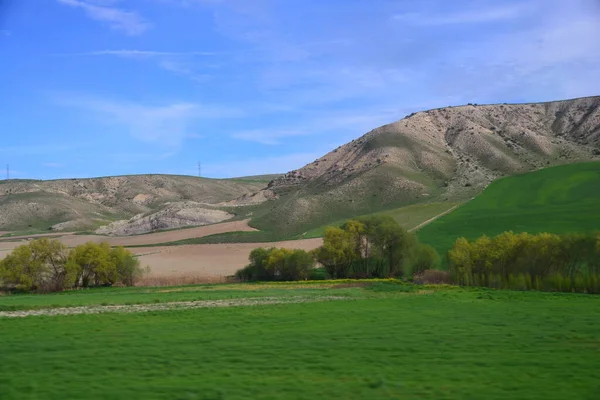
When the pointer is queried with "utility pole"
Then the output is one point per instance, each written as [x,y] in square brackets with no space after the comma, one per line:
[199,169]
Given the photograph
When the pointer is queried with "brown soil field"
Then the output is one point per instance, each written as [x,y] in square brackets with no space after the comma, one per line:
[72,240]
[203,260]
[207,260]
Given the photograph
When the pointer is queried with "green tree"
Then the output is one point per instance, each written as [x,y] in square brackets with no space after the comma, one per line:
[127,265]
[425,257]
[289,265]
[94,265]
[338,253]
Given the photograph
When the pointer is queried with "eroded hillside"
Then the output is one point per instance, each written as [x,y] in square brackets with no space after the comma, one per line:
[443,154]
[76,204]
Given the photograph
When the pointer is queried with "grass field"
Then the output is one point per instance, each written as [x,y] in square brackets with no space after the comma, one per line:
[558,200]
[385,341]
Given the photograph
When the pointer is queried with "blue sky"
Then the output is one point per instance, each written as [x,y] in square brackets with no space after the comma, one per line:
[107,87]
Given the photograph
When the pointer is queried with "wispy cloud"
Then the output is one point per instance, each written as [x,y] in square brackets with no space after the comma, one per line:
[179,63]
[125,53]
[168,124]
[341,124]
[258,166]
[183,69]
[268,136]
[120,19]
[36,149]
[467,16]
[54,165]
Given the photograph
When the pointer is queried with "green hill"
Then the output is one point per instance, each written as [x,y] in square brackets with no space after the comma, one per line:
[559,199]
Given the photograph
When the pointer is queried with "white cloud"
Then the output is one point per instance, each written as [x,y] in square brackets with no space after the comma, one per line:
[119,19]
[167,125]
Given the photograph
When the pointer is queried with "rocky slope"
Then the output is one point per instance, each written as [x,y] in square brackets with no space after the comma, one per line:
[444,154]
[88,203]
[172,215]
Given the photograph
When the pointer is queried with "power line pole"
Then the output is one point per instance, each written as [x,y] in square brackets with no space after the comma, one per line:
[199,169]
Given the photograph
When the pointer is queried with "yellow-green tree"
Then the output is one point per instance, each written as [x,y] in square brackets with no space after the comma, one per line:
[39,265]
[93,264]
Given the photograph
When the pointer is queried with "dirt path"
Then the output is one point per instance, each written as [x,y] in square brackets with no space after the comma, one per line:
[430,220]
[35,235]
[178,305]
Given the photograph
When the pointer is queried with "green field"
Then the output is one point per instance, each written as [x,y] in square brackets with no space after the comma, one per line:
[557,200]
[385,341]
[408,217]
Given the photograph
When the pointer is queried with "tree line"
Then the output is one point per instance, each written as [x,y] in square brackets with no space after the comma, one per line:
[46,265]
[368,247]
[549,262]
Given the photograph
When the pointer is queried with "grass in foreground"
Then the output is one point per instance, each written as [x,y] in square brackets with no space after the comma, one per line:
[558,200]
[383,343]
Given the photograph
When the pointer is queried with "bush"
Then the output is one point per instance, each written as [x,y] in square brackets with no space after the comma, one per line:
[433,277]
[277,265]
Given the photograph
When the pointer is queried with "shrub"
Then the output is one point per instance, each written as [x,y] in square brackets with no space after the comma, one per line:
[433,277]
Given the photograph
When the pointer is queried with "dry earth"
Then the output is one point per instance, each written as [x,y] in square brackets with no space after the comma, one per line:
[207,260]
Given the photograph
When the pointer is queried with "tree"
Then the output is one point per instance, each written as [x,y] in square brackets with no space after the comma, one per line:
[94,265]
[338,252]
[39,265]
[425,258]
[391,245]
[277,265]
[127,265]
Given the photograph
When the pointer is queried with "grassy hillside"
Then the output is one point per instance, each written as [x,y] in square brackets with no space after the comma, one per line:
[381,341]
[559,200]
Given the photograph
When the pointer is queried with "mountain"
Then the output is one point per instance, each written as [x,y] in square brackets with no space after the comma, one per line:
[77,204]
[445,154]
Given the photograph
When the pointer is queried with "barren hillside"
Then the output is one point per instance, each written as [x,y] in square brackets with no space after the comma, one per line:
[444,154]
[87,203]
